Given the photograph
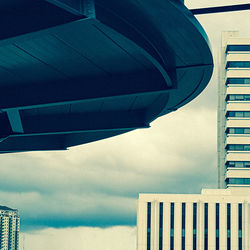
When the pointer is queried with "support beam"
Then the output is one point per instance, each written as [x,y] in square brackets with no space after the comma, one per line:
[72,6]
[15,121]
[28,143]
[220,9]
[83,123]
[81,90]
[88,8]
[77,7]
[37,16]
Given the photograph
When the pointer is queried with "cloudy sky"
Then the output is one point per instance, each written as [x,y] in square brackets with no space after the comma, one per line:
[85,198]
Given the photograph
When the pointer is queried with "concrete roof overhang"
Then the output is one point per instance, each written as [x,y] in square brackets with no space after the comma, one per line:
[77,71]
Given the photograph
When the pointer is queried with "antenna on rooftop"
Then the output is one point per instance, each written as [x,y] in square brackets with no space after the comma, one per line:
[220,9]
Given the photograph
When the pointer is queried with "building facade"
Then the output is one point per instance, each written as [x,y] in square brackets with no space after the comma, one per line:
[216,219]
[9,228]
[234,112]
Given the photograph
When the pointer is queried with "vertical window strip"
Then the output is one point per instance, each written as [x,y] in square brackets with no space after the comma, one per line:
[194,226]
[217,226]
[206,226]
[183,226]
[172,227]
[148,225]
[160,225]
[228,226]
[240,226]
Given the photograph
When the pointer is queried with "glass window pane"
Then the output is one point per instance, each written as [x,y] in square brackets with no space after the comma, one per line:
[239,97]
[231,164]
[246,114]
[239,131]
[239,164]
[239,114]
[247,131]
[231,114]
[247,164]
[238,47]
[238,147]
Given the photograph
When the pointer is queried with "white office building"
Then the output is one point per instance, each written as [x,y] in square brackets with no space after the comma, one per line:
[9,228]
[234,112]
[216,219]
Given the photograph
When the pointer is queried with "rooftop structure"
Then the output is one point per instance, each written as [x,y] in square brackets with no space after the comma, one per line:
[77,71]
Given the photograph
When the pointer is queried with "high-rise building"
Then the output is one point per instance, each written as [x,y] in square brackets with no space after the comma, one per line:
[9,228]
[216,219]
[234,112]
[213,220]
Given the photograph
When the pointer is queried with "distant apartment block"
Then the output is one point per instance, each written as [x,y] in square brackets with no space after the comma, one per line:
[216,219]
[234,112]
[9,228]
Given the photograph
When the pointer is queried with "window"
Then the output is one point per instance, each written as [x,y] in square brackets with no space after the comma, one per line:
[238,64]
[148,225]
[240,226]
[160,225]
[206,226]
[239,131]
[228,226]
[238,147]
[238,164]
[238,114]
[238,81]
[183,226]
[238,181]
[172,227]
[238,48]
[195,226]
[217,225]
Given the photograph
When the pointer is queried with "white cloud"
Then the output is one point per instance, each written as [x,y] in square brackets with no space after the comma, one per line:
[82,238]
[99,182]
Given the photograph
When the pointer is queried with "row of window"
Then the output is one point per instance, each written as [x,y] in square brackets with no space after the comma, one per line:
[239,181]
[238,81]
[238,48]
[236,64]
[238,164]
[238,131]
[238,147]
[183,226]
[238,114]
[238,98]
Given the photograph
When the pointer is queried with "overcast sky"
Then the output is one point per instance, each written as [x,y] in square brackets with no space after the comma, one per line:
[85,198]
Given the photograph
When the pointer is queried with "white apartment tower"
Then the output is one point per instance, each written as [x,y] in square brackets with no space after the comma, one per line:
[9,228]
[234,112]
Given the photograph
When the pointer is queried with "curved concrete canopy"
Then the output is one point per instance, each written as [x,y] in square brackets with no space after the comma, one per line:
[77,71]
